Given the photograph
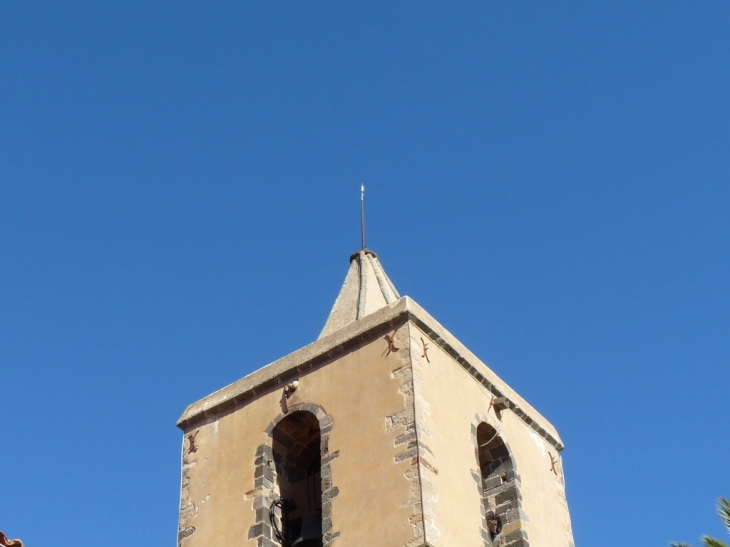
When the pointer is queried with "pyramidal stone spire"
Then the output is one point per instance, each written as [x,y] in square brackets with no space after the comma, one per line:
[366,289]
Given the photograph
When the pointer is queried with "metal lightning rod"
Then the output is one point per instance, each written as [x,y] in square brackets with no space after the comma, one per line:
[362,215]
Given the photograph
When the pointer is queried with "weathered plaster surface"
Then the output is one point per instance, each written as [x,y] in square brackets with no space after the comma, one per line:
[357,391]
[401,429]
[455,398]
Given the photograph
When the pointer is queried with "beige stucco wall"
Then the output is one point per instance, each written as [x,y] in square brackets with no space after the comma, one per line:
[367,392]
[357,390]
[452,398]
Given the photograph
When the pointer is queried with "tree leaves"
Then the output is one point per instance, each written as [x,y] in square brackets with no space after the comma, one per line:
[723,509]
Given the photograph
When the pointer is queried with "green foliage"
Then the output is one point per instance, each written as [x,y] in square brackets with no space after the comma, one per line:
[723,509]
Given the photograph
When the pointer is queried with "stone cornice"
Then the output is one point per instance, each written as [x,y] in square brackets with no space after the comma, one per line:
[329,347]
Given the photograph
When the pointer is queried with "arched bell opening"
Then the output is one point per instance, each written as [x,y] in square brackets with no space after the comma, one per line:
[499,482]
[297,514]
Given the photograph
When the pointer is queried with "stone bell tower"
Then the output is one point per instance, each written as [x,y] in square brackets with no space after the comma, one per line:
[384,432]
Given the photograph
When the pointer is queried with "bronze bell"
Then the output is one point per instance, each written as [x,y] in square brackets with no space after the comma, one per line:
[311,535]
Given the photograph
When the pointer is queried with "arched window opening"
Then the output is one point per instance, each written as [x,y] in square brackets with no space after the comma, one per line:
[297,514]
[499,484]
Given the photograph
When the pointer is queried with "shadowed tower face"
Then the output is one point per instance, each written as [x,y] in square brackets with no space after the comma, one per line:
[386,431]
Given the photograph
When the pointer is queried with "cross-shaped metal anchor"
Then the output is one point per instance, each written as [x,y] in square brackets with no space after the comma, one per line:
[553,461]
[425,349]
[391,343]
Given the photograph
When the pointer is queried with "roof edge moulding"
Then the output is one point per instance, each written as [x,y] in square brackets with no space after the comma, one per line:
[326,348]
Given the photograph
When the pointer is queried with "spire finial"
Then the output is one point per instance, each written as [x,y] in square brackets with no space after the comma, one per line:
[362,215]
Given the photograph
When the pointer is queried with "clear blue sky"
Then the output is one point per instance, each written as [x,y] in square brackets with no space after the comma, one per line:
[179,197]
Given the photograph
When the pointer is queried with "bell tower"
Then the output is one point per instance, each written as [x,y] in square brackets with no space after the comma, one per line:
[384,432]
